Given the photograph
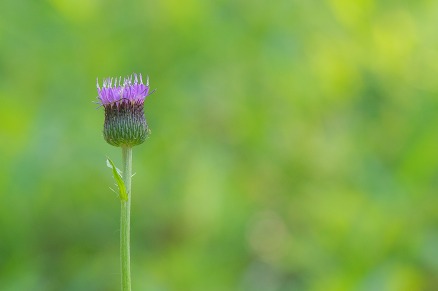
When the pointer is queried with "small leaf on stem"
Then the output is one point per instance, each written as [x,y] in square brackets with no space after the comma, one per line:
[117,176]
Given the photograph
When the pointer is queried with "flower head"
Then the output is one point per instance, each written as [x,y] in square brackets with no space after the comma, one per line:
[125,124]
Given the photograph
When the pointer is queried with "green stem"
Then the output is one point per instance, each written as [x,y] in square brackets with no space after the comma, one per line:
[125,221]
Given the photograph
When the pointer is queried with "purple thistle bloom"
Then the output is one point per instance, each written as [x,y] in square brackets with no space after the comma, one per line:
[118,92]
[125,124]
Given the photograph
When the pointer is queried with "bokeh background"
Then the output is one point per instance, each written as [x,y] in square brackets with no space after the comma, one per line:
[294,145]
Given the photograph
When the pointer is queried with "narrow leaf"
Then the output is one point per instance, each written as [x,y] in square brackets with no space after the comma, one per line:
[120,184]
[108,164]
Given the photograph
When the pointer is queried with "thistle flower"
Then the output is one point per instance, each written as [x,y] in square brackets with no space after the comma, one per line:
[125,124]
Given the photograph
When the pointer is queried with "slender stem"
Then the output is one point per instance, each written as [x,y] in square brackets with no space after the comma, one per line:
[125,218]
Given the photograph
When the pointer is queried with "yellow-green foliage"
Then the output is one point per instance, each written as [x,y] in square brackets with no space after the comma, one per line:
[294,145]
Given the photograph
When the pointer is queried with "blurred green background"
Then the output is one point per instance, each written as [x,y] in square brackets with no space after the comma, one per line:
[294,145]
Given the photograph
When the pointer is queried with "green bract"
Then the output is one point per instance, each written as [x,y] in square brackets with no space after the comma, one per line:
[125,124]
